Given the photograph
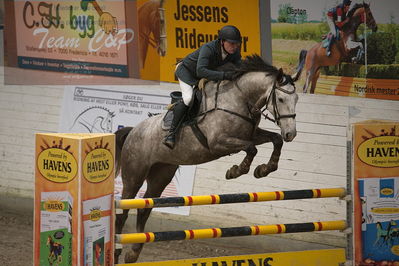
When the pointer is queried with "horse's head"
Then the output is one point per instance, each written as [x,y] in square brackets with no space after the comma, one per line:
[106,123]
[363,11]
[281,102]
[271,89]
[152,30]
[370,21]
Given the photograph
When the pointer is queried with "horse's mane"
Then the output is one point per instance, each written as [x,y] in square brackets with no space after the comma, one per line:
[98,107]
[254,63]
[356,7]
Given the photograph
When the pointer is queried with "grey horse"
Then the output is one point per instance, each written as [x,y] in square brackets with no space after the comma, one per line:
[229,117]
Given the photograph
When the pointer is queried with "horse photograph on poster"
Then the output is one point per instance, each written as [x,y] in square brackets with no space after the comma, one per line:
[347,48]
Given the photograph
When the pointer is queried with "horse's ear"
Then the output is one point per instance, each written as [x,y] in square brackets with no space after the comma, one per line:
[280,75]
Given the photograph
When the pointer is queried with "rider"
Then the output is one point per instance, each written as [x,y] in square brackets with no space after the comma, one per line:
[336,19]
[202,63]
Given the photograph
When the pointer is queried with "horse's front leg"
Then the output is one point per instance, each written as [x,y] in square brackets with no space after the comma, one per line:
[352,45]
[242,169]
[225,145]
[263,136]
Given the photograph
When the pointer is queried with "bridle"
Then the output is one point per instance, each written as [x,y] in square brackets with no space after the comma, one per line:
[272,98]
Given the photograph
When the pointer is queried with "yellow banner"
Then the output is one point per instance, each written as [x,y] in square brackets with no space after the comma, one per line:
[326,257]
[192,23]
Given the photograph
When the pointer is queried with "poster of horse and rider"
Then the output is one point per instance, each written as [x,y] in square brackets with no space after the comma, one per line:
[347,48]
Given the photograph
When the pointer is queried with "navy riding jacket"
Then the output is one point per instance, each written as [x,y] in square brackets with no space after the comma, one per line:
[203,62]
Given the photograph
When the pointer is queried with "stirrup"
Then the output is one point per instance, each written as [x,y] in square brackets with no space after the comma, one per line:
[169,141]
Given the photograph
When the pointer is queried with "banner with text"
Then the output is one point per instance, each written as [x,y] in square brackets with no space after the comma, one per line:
[375,177]
[192,23]
[87,37]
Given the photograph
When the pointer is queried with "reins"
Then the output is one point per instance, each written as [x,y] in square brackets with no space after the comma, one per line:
[216,108]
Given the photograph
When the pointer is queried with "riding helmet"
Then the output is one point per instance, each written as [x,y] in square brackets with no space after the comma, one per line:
[230,33]
[346,2]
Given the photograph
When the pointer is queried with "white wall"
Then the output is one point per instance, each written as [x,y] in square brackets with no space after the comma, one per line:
[315,159]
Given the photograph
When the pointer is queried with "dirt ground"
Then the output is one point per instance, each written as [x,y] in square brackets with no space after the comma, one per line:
[16,244]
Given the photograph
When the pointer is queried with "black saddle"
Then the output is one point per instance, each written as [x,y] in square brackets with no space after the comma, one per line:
[192,112]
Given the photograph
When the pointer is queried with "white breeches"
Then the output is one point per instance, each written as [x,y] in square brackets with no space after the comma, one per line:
[186,91]
[331,24]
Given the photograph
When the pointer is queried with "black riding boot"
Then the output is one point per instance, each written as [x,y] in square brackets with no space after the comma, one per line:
[178,114]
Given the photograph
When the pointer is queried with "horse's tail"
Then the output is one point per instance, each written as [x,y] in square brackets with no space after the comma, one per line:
[302,57]
[301,63]
[120,137]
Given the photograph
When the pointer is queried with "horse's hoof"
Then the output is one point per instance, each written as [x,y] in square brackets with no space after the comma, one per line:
[258,171]
[232,172]
[131,256]
[117,253]
[263,170]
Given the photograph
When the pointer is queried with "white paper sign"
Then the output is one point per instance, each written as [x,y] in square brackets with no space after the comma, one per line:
[87,109]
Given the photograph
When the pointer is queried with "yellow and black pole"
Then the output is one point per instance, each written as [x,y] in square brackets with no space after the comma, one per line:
[229,232]
[229,198]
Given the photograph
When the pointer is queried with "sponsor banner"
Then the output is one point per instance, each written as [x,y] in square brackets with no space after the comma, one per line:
[88,37]
[325,257]
[105,110]
[192,23]
[386,89]
[74,172]
[376,189]
[365,66]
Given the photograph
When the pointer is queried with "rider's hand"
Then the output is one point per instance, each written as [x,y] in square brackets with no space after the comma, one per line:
[229,75]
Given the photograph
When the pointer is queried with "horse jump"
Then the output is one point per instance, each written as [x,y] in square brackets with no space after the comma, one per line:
[141,238]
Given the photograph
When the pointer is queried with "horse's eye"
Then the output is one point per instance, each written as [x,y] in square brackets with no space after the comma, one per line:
[281,100]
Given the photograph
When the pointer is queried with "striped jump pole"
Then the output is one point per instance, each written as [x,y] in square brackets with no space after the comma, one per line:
[229,198]
[229,232]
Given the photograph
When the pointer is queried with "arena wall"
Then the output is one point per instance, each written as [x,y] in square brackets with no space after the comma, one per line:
[315,159]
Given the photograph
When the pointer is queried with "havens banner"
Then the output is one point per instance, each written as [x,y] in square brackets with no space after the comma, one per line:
[375,169]
[192,23]
[87,37]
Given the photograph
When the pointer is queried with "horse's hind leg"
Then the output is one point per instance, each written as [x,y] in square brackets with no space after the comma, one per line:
[158,178]
[309,77]
[314,81]
[131,186]
[263,136]
[242,169]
